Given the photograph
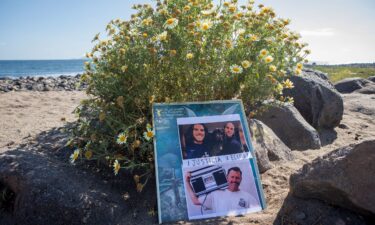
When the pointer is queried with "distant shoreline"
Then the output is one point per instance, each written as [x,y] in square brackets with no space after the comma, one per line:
[58,83]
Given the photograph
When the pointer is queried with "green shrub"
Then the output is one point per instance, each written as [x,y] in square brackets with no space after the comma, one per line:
[180,51]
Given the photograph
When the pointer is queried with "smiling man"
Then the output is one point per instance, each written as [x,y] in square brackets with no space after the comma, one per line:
[229,201]
[196,146]
[230,145]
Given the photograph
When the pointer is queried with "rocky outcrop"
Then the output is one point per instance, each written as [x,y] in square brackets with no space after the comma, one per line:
[316,99]
[348,85]
[342,177]
[61,83]
[269,149]
[46,189]
[371,78]
[369,88]
[290,127]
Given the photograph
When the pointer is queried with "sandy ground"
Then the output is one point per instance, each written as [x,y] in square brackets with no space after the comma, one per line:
[25,114]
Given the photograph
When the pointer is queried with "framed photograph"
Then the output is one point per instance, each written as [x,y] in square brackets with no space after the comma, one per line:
[205,165]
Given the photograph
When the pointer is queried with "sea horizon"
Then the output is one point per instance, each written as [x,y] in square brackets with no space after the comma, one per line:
[41,67]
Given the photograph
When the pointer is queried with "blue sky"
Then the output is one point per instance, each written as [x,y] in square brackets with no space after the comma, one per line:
[338,31]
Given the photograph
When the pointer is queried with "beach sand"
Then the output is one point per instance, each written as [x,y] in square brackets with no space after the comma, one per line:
[26,114]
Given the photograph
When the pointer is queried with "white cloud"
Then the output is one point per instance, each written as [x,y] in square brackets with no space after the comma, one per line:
[323,32]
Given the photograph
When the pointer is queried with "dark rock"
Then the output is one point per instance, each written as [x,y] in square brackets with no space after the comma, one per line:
[317,73]
[342,177]
[47,189]
[343,126]
[348,85]
[371,78]
[368,88]
[316,99]
[268,147]
[290,127]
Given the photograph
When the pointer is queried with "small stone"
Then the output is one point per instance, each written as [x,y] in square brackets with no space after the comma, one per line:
[343,126]
[300,215]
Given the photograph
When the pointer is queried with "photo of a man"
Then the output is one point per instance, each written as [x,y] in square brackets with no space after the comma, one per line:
[196,144]
[210,136]
[232,200]
[231,144]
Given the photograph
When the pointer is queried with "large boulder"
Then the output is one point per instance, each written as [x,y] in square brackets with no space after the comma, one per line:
[348,85]
[371,78]
[290,126]
[269,149]
[316,99]
[343,177]
[369,88]
[44,188]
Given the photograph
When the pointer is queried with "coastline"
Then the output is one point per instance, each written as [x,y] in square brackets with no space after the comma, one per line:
[42,83]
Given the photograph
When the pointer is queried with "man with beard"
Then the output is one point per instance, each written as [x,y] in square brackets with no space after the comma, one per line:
[230,144]
[224,202]
[196,146]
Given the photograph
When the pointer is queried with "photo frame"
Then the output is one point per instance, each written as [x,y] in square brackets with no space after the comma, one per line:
[203,150]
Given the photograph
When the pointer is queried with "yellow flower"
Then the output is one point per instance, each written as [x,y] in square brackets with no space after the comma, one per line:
[88,154]
[74,156]
[228,43]
[171,23]
[186,8]
[298,71]
[279,88]
[149,134]
[147,21]
[205,25]
[272,68]
[172,52]
[263,52]
[116,167]
[268,59]
[290,100]
[189,55]
[232,8]
[144,35]
[246,64]
[299,66]
[288,84]
[236,69]
[121,138]
[124,68]
[254,37]
[162,36]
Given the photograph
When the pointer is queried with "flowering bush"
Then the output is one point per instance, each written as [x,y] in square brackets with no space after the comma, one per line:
[181,51]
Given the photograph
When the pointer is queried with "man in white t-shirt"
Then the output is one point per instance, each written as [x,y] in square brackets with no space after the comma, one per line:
[225,202]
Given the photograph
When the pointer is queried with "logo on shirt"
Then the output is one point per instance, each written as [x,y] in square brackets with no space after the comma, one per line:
[242,203]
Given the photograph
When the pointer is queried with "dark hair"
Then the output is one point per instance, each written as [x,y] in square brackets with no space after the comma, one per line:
[189,134]
[236,169]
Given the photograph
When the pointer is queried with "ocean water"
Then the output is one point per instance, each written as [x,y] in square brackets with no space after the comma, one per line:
[18,68]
